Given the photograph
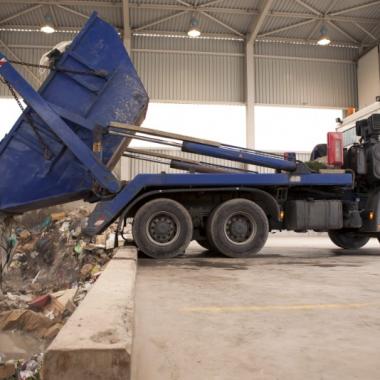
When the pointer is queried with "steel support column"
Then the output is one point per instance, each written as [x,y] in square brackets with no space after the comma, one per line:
[127,35]
[250,95]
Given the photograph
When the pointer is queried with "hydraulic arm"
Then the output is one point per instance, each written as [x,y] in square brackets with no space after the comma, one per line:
[205,147]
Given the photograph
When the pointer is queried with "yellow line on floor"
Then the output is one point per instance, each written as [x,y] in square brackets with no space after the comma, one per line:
[236,309]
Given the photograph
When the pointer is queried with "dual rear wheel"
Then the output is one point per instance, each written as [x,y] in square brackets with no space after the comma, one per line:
[237,228]
[163,228]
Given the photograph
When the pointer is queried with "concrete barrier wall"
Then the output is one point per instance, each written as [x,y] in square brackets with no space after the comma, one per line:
[96,342]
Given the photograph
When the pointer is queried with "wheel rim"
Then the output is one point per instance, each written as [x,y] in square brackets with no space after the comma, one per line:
[163,228]
[240,228]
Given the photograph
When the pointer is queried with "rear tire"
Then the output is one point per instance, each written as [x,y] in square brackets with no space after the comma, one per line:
[348,239]
[238,228]
[162,228]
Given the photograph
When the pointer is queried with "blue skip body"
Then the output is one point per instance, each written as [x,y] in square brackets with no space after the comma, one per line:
[56,164]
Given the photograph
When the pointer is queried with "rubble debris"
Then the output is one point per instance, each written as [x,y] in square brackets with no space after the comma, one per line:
[86,271]
[40,302]
[8,369]
[30,322]
[51,254]
[30,369]
[25,235]
[50,270]
[7,242]
[61,303]
[11,301]
[57,216]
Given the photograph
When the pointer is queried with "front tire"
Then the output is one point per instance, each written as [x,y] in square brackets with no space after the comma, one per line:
[348,239]
[162,228]
[238,228]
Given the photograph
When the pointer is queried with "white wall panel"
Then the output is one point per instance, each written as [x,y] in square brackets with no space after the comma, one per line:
[369,77]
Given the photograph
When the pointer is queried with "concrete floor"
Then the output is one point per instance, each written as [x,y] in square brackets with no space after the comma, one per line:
[299,310]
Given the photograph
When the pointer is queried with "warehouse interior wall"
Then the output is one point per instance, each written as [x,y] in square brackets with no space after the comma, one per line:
[213,71]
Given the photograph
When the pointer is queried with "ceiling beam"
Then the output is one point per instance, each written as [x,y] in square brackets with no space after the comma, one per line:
[274,31]
[308,42]
[342,31]
[160,21]
[308,7]
[53,15]
[313,31]
[237,11]
[36,28]
[20,13]
[355,8]
[205,35]
[331,6]
[183,3]
[372,31]
[212,2]
[69,10]
[229,27]
[256,24]
[92,4]
[252,12]
[367,32]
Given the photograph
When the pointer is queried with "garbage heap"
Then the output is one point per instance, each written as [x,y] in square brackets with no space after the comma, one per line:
[52,267]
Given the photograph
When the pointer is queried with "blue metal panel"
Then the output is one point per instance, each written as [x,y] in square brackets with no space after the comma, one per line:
[260,159]
[30,181]
[106,212]
[59,127]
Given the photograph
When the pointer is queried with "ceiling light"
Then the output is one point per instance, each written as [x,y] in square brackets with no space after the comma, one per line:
[194,30]
[47,27]
[324,38]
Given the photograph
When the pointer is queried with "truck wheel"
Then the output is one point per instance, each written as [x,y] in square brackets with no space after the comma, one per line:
[238,228]
[162,228]
[348,239]
[204,243]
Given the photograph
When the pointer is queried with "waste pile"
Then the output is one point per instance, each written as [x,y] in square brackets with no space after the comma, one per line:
[51,269]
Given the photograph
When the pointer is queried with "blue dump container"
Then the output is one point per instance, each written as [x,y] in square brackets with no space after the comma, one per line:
[37,168]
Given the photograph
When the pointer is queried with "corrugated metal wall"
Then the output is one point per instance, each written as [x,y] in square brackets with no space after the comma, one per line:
[208,70]
[131,167]
[184,70]
[302,75]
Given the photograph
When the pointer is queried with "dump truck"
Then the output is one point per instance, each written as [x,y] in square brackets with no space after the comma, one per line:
[79,124]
